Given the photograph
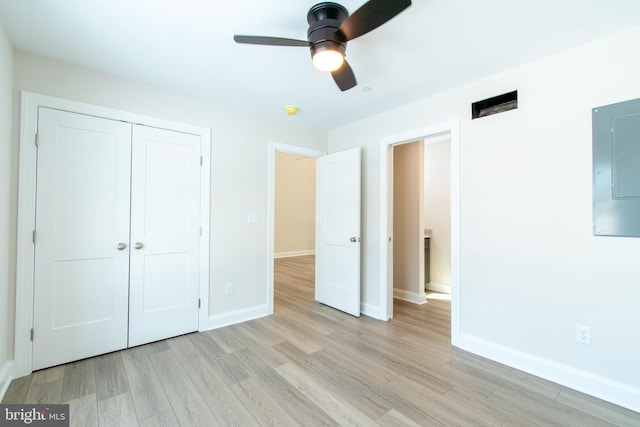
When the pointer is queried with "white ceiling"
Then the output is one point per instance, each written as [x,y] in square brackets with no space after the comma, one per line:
[187,46]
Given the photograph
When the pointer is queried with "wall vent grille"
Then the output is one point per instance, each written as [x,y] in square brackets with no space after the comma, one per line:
[495,105]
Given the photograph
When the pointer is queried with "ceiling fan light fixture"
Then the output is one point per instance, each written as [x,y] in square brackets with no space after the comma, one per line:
[327,56]
[328,60]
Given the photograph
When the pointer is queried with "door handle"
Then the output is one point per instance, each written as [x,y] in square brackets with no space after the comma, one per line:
[121,246]
[353,239]
[138,245]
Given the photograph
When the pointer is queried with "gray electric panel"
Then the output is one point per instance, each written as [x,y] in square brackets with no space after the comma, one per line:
[616,169]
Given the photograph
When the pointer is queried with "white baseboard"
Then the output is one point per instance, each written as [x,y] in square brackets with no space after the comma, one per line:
[238,316]
[413,297]
[603,388]
[5,377]
[373,311]
[294,253]
[439,287]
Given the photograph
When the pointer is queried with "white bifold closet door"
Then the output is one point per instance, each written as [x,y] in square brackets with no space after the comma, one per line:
[116,236]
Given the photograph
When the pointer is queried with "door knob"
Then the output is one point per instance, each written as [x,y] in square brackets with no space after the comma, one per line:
[353,239]
[121,246]
[138,245]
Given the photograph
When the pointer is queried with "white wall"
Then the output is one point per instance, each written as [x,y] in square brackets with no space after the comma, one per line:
[437,207]
[530,267]
[238,168]
[295,205]
[7,208]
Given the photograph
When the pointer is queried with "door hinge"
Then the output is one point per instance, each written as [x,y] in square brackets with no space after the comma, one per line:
[199,302]
[37,140]
[201,160]
[34,236]
[31,334]
[200,231]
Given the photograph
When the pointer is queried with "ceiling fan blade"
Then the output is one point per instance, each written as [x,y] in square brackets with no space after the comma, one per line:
[371,15]
[270,41]
[344,77]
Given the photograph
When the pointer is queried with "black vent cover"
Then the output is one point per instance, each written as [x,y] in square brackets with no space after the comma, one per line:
[495,105]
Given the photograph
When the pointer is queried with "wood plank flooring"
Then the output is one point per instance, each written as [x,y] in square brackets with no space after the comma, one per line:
[310,365]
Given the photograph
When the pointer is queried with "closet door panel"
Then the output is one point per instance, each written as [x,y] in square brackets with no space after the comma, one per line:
[82,214]
[165,224]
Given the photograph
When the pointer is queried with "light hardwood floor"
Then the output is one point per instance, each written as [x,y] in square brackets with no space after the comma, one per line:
[311,365]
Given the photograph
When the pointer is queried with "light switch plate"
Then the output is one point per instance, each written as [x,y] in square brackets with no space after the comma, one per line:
[252,218]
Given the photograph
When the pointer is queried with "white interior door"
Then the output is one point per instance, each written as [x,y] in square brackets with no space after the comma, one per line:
[165,233]
[338,231]
[81,272]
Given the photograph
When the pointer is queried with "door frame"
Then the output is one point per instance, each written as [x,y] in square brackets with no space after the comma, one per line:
[274,147]
[386,216]
[30,102]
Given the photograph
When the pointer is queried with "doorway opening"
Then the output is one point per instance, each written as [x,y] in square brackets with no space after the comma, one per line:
[294,229]
[387,216]
[422,219]
[338,201]
[295,206]
[292,241]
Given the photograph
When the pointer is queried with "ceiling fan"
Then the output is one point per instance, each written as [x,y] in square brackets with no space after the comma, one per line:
[330,28]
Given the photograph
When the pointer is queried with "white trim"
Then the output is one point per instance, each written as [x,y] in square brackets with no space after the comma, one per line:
[439,287]
[6,375]
[294,254]
[30,102]
[603,388]
[205,223]
[386,268]
[274,147]
[26,221]
[238,316]
[412,297]
[371,310]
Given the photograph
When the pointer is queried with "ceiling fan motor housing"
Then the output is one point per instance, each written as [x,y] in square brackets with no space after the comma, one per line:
[324,21]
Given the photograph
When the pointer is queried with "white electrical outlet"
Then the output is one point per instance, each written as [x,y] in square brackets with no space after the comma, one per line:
[229,288]
[583,334]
